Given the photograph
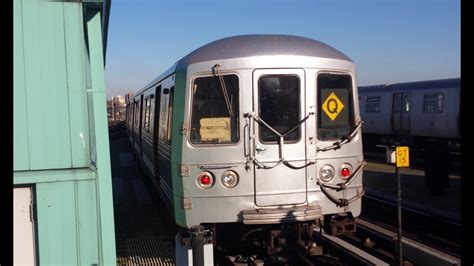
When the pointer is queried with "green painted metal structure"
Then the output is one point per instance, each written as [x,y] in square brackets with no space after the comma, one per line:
[61,145]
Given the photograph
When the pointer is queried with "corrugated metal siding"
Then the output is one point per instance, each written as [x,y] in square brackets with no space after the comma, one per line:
[20,126]
[67,213]
[57,117]
[76,61]
[51,124]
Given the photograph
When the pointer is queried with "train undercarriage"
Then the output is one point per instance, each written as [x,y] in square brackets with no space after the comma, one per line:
[273,244]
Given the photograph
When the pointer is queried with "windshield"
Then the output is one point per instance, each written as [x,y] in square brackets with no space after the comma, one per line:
[214,118]
[335,106]
[279,102]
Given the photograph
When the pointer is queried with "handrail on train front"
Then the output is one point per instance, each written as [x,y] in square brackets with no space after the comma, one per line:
[252,116]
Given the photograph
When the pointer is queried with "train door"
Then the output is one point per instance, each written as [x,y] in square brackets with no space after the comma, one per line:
[156,127]
[164,140]
[135,120]
[279,143]
[137,127]
[401,113]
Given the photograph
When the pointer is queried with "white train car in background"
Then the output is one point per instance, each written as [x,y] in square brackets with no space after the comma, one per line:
[412,113]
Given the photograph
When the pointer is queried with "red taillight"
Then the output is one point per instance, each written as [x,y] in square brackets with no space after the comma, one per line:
[345,172]
[205,180]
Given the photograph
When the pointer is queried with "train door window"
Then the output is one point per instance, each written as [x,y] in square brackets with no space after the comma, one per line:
[335,106]
[136,113]
[147,112]
[156,114]
[151,122]
[170,115]
[215,110]
[373,104]
[279,107]
[397,103]
[127,115]
[164,105]
[130,119]
[406,103]
[433,103]
[127,118]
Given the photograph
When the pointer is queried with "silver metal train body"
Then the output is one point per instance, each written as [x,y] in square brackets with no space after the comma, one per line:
[254,129]
[412,111]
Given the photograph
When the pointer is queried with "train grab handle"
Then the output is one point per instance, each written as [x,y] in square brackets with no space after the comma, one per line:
[343,140]
[253,116]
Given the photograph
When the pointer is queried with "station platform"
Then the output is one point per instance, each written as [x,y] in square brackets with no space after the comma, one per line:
[379,180]
[141,233]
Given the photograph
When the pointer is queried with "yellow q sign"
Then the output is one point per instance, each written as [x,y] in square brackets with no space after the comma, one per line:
[332,106]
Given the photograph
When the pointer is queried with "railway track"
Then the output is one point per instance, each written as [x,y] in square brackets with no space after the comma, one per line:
[337,251]
[432,230]
[117,130]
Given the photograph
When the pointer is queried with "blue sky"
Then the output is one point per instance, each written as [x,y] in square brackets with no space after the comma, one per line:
[388,40]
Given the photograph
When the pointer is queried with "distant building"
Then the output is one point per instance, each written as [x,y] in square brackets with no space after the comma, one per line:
[109,109]
[116,108]
[119,101]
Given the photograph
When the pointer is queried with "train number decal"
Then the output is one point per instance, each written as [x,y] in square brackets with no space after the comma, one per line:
[403,156]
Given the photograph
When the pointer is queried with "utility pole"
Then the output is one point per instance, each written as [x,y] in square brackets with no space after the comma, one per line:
[402,160]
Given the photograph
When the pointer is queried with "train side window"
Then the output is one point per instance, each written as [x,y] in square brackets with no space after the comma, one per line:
[433,103]
[335,106]
[215,117]
[279,107]
[373,104]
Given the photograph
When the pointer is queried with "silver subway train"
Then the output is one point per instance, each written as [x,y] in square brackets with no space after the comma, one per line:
[252,130]
[412,112]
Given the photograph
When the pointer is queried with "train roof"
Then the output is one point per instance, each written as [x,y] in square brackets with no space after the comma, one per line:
[252,45]
[416,85]
[261,45]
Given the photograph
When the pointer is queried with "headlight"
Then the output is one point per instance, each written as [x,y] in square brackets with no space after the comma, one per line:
[230,179]
[326,173]
[205,180]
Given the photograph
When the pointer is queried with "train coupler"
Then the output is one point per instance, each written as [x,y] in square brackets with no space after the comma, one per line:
[315,250]
[341,225]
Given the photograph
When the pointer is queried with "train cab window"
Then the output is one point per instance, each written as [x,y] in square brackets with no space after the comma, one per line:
[215,110]
[373,104]
[433,103]
[279,107]
[335,106]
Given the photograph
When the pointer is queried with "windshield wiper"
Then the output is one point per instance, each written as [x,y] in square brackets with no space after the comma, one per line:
[224,89]
[343,140]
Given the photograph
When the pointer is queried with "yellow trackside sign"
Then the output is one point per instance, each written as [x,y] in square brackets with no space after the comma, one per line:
[403,156]
[332,106]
